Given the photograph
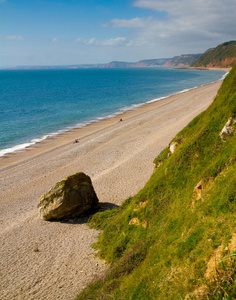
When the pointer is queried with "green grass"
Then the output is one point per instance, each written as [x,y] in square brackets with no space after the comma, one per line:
[223,284]
[224,55]
[167,258]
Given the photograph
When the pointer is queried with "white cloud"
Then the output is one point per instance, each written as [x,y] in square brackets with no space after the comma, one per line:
[15,37]
[55,40]
[91,41]
[183,24]
[207,15]
[110,42]
[132,23]
[79,40]
[182,7]
[114,42]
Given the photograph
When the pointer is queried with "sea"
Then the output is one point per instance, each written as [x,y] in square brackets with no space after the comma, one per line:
[37,104]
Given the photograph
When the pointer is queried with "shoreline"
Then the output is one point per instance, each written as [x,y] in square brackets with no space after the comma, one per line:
[227,69]
[118,157]
[6,152]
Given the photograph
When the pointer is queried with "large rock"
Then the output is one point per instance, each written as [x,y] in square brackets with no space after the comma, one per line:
[72,197]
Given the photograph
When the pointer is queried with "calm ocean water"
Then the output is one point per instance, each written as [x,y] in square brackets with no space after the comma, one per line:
[36,104]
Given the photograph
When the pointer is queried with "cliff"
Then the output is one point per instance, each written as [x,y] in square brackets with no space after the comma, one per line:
[177,61]
[169,240]
[224,55]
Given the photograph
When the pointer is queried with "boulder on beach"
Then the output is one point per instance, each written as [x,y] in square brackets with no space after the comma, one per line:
[72,197]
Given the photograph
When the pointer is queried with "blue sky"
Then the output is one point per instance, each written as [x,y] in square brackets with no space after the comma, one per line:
[61,32]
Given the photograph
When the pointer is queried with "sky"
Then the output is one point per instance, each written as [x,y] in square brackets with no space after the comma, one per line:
[67,32]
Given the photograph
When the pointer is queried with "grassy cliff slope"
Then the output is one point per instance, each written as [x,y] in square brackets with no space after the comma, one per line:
[224,55]
[164,242]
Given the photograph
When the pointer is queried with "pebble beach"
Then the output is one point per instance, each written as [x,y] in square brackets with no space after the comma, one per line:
[55,260]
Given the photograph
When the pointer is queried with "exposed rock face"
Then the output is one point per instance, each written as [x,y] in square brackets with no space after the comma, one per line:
[69,198]
[228,129]
[198,190]
[173,147]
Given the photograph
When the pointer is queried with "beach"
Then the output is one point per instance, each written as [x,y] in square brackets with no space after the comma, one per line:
[55,260]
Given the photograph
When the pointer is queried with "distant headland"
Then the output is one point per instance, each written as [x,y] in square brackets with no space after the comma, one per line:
[222,56]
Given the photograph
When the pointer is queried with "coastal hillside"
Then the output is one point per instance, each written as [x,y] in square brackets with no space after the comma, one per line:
[182,60]
[224,55]
[176,238]
[154,62]
[177,61]
[139,64]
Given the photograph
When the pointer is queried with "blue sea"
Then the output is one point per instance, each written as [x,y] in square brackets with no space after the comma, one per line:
[36,104]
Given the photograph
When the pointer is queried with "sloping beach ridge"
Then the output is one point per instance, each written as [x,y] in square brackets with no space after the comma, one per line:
[149,236]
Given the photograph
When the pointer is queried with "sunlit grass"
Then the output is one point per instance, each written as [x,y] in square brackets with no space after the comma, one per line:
[165,252]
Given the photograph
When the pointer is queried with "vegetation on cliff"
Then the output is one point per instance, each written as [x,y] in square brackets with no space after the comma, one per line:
[168,242]
[177,61]
[182,60]
[224,55]
[153,62]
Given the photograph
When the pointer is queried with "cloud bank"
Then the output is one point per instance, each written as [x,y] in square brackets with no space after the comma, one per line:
[188,20]
[173,27]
